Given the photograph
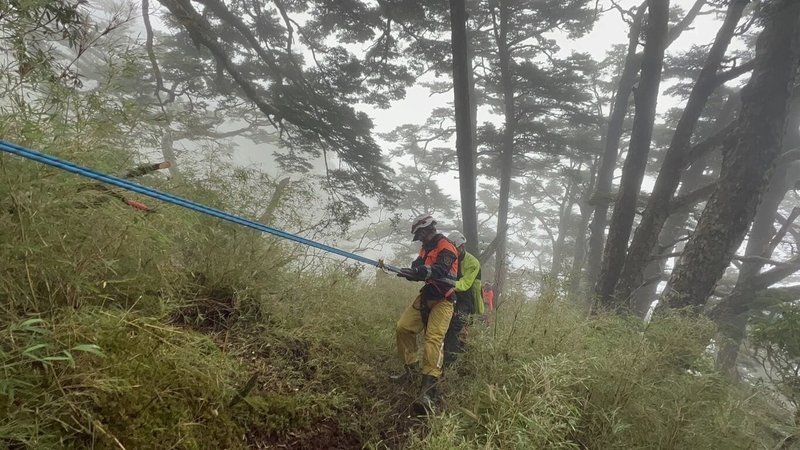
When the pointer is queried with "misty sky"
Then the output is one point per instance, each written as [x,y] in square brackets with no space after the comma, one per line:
[418,104]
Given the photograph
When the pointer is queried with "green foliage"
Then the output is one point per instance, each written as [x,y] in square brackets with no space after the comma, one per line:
[130,330]
[546,377]
[309,104]
[137,380]
[776,345]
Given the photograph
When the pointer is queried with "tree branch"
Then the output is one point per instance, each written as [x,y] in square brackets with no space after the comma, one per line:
[666,255]
[200,31]
[795,233]
[147,168]
[777,274]
[764,260]
[735,72]
[149,47]
[778,238]
[707,146]
[790,156]
[692,198]
[687,20]
[775,296]
[490,249]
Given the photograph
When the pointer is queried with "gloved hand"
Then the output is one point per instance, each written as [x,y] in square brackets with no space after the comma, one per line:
[408,274]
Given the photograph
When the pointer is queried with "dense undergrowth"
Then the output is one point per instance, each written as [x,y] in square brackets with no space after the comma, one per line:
[131,330]
[128,330]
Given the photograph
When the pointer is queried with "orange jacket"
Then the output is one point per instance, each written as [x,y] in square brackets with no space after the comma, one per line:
[488,298]
[437,265]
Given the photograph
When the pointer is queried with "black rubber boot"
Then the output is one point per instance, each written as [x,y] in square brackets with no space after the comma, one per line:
[427,397]
[410,372]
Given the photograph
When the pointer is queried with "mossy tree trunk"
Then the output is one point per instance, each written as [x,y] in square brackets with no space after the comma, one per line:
[657,211]
[749,155]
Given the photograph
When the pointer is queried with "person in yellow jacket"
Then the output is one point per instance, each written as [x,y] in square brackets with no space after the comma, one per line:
[437,267]
[469,300]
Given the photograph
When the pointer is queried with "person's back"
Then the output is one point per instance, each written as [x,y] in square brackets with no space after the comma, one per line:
[468,302]
[488,298]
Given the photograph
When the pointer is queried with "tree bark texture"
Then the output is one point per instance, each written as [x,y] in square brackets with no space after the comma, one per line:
[692,191]
[646,292]
[657,211]
[605,175]
[602,190]
[749,155]
[464,135]
[645,101]
[732,313]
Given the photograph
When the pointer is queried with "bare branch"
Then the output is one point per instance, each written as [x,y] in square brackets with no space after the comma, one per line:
[692,198]
[790,156]
[735,72]
[149,47]
[687,20]
[490,249]
[627,15]
[764,260]
[666,255]
[147,168]
[792,228]
[778,238]
[776,274]
[707,146]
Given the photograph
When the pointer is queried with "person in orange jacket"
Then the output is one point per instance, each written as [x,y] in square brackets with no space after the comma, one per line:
[431,311]
[488,300]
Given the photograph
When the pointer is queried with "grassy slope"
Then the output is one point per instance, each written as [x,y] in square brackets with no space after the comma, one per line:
[184,311]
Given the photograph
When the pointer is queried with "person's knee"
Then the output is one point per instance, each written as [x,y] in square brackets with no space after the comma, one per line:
[402,328]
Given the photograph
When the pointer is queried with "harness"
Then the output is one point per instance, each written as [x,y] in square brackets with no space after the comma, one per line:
[444,288]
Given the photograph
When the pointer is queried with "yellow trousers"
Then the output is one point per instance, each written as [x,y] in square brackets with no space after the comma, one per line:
[410,324]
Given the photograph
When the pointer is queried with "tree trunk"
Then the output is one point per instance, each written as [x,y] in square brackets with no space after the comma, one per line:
[602,196]
[168,152]
[473,98]
[464,135]
[564,219]
[644,296]
[732,313]
[645,101]
[748,158]
[605,175]
[693,180]
[576,277]
[507,151]
[669,176]
[274,202]
[579,256]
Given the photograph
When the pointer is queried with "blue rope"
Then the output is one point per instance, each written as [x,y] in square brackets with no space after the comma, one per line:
[169,198]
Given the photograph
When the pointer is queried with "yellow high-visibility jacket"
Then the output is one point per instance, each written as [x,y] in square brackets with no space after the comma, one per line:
[470,280]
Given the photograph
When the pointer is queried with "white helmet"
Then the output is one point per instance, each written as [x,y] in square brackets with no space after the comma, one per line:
[457,238]
[423,221]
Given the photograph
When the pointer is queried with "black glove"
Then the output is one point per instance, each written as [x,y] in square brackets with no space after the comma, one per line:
[408,274]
